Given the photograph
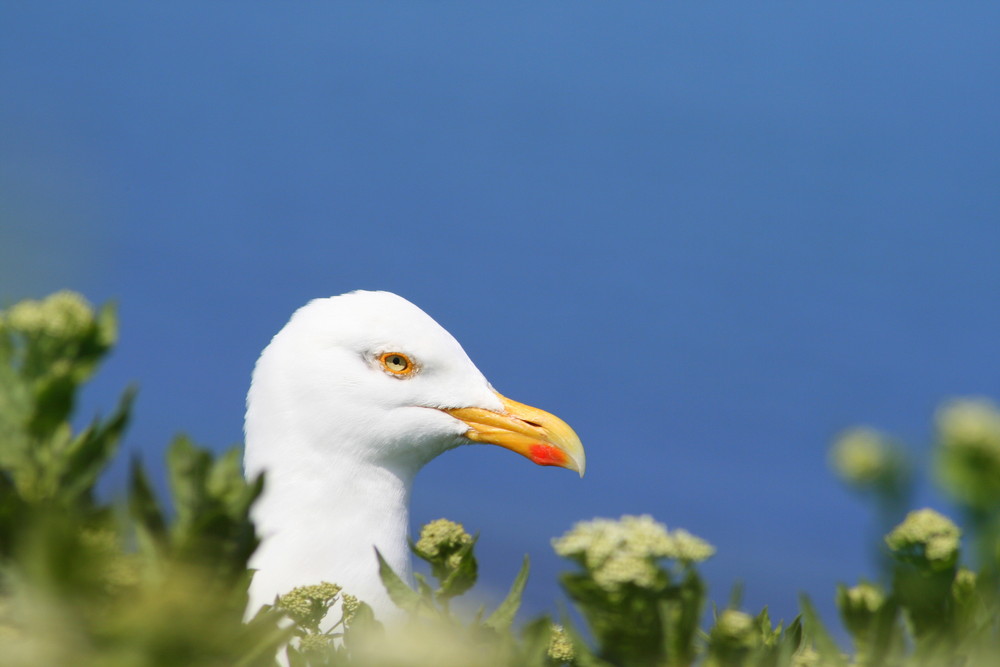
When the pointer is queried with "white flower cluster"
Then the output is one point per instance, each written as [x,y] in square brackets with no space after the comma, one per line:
[308,604]
[969,452]
[442,540]
[62,315]
[964,585]
[864,598]
[735,626]
[970,423]
[351,606]
[926,536]
[560,645]
[626,551]
[861,456]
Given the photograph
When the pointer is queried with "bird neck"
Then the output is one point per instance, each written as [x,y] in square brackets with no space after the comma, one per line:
[320,518]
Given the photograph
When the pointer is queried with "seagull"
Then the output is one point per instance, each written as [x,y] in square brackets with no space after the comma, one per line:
[348,401]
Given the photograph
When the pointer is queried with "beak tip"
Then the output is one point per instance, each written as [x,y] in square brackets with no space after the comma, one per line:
[574,460]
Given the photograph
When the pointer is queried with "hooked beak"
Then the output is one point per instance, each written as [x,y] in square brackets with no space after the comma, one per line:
[533,433]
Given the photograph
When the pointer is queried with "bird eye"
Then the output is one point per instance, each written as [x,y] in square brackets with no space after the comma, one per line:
[396,363]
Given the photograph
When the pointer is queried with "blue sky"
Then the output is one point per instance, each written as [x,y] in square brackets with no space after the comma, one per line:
[708,237]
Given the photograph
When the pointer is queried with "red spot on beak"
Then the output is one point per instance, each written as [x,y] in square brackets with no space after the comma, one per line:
[547,455]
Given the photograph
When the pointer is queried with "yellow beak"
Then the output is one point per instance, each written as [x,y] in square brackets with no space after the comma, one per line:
[536,434]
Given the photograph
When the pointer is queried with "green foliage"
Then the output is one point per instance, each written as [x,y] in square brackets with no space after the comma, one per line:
[133,582]
[969,454]
[447,548]
[47,350]
[639,612]
[934,611]
[503,617]
[85,582]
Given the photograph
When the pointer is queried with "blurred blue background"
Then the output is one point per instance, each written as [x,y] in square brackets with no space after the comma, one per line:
[709,237]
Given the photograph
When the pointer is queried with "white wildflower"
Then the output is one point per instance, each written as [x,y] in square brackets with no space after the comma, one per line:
[61,315]
[862,456]
[926,536]
[970,423]
[627,551]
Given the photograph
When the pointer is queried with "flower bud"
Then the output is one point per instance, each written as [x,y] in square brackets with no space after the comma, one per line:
[969,453]
[627,551]
[925,538]
[867,460]
[440,539]
[560,646]
[307,605]
[735,634]
[64,314]
[858,606]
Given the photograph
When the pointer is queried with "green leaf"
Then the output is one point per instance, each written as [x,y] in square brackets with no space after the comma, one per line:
[402,595]
[150,526]
[53,403]
[503,616]
[17,448]
[106,326]
[295,657]
[362,629]
[886,634]
[265,636]
[423,587]
[814,628]
[226,483]
[91,452]
[789,642]
[535,638]
[463,577]
[680,615]
[212,528]
[188,467]
[736,596]
[584,656]
[794,632]
[581,588]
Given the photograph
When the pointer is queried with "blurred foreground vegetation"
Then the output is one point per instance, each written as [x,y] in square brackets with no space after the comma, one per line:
[84,581]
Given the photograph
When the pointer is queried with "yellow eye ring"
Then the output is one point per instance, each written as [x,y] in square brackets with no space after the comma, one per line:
[396,363]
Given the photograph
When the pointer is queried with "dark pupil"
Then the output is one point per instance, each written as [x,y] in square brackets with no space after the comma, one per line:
[396,361]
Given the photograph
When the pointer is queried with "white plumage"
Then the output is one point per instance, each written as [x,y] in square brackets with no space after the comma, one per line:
[348,401]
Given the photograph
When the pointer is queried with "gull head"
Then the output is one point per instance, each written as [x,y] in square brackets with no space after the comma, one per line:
[369,377]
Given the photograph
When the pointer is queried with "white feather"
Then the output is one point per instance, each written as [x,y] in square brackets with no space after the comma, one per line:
[340,440]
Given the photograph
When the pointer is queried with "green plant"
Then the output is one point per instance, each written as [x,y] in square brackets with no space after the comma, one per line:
[86,581]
